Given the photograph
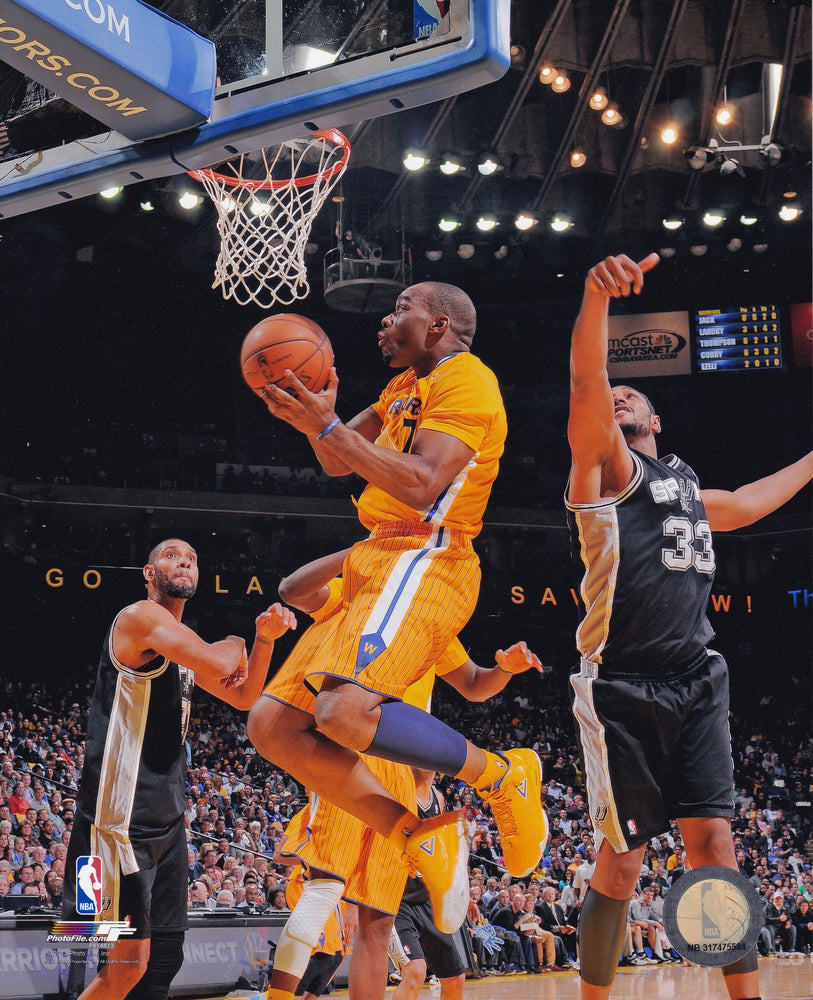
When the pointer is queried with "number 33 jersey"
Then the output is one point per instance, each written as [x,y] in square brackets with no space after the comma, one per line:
[645,565]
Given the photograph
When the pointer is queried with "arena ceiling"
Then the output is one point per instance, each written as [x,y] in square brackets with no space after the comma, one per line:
[659,63]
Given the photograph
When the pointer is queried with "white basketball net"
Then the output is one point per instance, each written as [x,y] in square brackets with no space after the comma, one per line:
[266,203]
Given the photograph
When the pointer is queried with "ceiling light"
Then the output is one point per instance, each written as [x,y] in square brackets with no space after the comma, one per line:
[578,158]
[517,54]
[734,244]
[415,159]
[524,221]
[748,220]
[111,192]
[598,99]
[547,74]
[486,223]
[434,255]
[713,218]
[611,115]
[488,164]
[696,157]
[560,84]
[451,164]
[724,115]
[771,152]
[669,135]
[189,200]
[560,223]
[667,252]
[146,206]
[699,249]
[672,222]
[729,165]
[465,251]
[448,224]
[787,213]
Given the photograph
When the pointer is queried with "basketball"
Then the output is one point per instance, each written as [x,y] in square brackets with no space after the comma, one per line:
[286,341]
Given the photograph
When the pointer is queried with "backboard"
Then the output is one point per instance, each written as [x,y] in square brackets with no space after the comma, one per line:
[285,68]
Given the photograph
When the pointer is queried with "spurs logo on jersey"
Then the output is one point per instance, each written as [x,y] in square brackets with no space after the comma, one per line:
[667,490]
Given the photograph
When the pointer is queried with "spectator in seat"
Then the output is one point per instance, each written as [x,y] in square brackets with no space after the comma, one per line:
[803,922]
[778,920]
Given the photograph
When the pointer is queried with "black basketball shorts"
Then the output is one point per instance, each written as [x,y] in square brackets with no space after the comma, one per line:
[319,973]
[154,898]
[654,750]
[420,938]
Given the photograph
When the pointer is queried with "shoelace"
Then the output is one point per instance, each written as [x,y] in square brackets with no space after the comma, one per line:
[506,819]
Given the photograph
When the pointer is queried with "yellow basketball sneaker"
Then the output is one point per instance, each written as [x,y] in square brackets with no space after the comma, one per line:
[515,797]
[439,850]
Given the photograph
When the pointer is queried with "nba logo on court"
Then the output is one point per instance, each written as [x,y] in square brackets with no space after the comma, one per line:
[88,885]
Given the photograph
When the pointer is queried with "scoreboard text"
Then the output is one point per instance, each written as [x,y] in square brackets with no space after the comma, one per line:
[738,338]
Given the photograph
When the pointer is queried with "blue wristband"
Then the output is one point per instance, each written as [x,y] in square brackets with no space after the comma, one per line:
[324,433]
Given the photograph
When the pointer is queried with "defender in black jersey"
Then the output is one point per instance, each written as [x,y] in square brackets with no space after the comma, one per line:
[650,698]
[127,860]
[422,946]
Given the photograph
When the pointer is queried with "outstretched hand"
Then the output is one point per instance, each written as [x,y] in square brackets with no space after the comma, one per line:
[617,277]
[306,411]
[274,622]
[517,659]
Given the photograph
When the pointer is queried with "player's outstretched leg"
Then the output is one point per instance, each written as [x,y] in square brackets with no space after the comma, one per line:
[510,782]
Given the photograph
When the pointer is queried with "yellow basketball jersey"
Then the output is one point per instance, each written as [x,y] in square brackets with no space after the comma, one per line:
[460,397]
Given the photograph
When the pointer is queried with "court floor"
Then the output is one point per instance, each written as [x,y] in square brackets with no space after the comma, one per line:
[780,979]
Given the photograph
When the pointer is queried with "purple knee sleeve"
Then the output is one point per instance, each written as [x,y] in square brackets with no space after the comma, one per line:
[410,736]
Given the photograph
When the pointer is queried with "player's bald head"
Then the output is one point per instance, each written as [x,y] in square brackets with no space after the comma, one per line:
[451,301]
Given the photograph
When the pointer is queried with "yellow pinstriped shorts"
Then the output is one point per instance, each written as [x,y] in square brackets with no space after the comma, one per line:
[328,839]
[408,589]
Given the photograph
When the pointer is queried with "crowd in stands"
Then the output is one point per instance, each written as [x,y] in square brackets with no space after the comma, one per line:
[239,805]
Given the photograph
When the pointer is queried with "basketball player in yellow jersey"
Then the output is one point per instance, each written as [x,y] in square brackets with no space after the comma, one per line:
[429,450]
[345,858]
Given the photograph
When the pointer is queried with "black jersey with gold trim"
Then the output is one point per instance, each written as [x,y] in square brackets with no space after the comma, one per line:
[645,566]
[133,778]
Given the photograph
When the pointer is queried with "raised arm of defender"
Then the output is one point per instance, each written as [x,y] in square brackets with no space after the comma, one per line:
[601,462]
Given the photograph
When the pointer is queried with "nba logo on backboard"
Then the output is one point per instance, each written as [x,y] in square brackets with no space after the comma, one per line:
[428,15]
[88,885]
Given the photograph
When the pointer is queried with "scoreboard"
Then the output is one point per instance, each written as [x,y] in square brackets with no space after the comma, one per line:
[738,338]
